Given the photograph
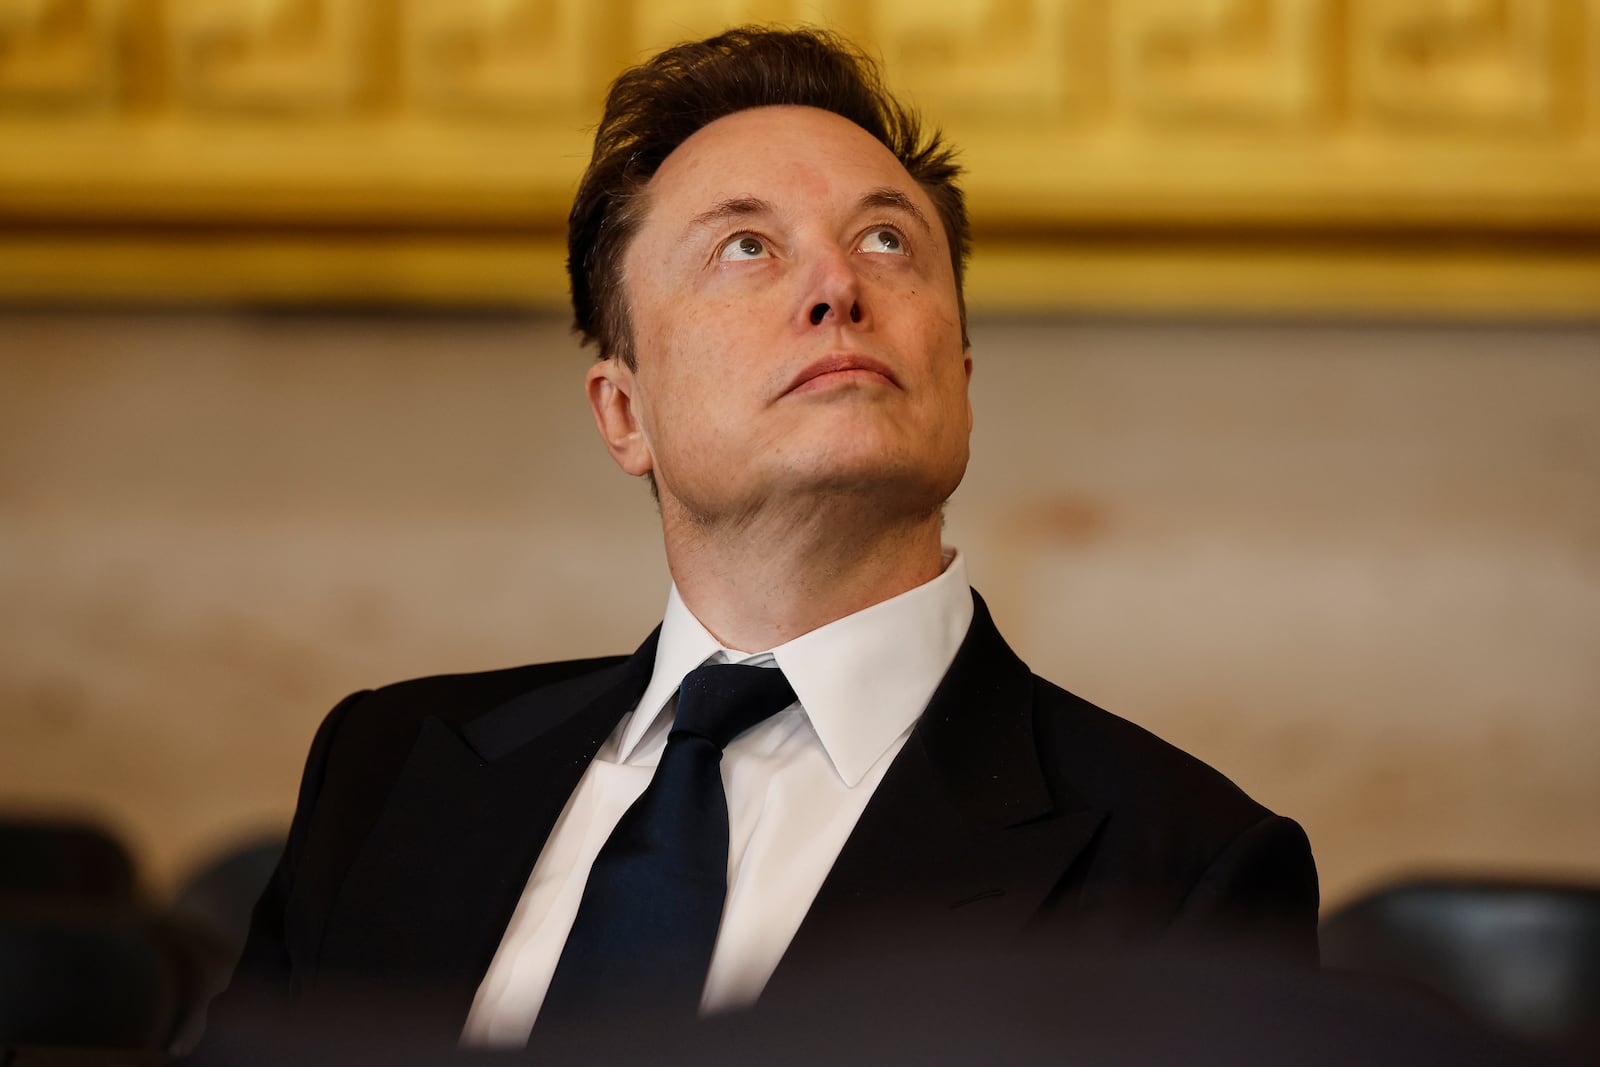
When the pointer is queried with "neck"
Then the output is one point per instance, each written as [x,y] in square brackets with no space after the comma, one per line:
[767,582]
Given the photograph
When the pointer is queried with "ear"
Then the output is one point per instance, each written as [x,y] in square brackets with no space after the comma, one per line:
[611,387]
[966,365]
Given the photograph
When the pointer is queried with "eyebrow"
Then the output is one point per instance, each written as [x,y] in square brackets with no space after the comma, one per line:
[739,207]
[744,207]
[888,197]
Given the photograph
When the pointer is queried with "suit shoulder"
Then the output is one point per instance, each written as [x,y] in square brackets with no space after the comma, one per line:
[374,729]
[459,697]
[1114,763]
[364,742]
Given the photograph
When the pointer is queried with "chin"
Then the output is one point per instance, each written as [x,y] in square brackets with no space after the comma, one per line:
[888,487]
[872,469]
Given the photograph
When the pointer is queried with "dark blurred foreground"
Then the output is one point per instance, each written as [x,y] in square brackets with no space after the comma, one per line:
[1446,972]
[927,1006]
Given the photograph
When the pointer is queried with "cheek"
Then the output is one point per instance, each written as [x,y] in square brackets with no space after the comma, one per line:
[931,304]
[680,386]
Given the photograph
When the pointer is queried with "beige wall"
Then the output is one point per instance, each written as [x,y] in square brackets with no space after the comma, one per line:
[1357,567]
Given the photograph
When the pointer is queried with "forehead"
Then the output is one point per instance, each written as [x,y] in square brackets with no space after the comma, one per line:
[792,156]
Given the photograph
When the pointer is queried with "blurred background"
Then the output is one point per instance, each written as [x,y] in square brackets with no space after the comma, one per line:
[1286,323]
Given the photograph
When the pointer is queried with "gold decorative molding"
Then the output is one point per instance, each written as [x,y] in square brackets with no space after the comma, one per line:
[1250,62]
[521,59]
[1484,63]
[60,54]
[1014,63]
[298,56]
[1139,155]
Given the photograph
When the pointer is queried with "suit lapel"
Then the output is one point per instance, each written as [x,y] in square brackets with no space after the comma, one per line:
[962,839]
[433,888]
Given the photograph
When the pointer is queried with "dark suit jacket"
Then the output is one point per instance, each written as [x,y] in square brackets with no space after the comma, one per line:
[1015,811]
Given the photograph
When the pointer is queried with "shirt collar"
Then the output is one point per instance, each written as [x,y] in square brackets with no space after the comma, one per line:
[862,680]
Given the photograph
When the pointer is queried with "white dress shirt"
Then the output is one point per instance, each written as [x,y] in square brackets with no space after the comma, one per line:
[796,784]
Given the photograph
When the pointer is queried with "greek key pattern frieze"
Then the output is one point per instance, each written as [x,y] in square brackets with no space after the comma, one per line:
[471,118]
[1070,67]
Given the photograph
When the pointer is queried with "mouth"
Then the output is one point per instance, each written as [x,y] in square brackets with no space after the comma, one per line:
[840,368]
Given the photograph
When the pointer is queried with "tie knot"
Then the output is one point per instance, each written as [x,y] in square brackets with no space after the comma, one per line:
[720,701]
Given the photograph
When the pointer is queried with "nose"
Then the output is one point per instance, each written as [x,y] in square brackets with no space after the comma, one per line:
[832,293]
[820,313]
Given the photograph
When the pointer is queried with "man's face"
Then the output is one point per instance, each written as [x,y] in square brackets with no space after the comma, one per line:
[795,319]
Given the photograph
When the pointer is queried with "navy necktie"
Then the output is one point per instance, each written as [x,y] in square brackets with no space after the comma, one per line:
[648,920]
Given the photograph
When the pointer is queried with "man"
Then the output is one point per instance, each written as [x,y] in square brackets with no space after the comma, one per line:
[768,254]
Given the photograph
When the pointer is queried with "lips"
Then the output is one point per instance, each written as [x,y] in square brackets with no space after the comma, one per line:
[836,364]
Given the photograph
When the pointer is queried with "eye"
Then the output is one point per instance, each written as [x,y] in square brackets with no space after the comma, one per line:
[883,239]
[743,248]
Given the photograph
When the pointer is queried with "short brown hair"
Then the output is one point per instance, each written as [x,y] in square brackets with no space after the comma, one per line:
[656,106]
